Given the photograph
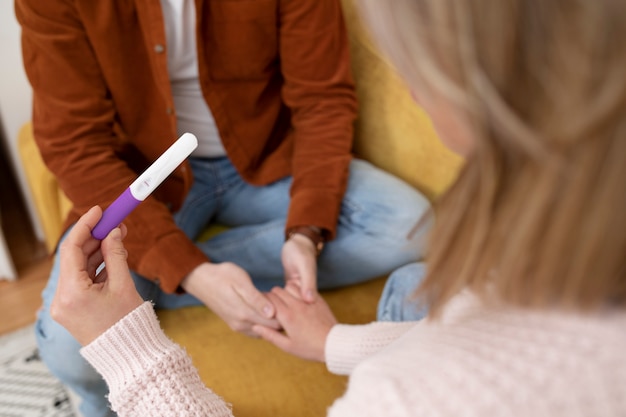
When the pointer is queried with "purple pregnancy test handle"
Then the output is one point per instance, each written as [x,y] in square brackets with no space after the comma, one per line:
[113,216]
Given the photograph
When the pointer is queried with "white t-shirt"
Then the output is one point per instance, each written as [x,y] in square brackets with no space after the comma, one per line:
[192,112]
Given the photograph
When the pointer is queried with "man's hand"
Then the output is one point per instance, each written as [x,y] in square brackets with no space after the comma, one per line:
[300,265]
[87,304]
[228,291]
[306,325]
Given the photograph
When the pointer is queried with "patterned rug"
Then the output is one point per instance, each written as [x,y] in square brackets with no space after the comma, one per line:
[27,389]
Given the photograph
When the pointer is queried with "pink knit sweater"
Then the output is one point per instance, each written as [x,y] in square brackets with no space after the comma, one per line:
[474,361]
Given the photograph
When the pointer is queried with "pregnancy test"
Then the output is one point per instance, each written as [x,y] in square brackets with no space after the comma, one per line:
[144,185]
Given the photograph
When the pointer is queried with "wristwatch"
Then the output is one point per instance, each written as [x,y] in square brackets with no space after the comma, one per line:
[315,234]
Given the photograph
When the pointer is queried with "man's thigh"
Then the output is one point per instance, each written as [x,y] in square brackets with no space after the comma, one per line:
[247,204]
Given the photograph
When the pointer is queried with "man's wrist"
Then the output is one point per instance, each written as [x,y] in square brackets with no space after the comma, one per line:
[194,278]
[313,233]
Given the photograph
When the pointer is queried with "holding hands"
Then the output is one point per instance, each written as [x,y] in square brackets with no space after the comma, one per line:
[305,325]
[88,301]
[227,289]
[229,292]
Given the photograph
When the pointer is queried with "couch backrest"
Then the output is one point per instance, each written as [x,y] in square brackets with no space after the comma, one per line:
[392,132]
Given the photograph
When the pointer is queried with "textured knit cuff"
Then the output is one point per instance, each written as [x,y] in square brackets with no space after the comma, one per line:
[348,345]
[129,347]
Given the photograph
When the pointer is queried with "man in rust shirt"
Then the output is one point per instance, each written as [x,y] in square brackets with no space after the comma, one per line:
[266,87]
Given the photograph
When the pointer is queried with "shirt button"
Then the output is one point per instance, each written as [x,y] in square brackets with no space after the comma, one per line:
[158,48]
[169,110]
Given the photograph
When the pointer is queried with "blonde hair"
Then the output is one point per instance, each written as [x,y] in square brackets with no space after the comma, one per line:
[537,216]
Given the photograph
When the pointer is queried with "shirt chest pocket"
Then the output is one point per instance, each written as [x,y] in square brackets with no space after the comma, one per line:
[241,38]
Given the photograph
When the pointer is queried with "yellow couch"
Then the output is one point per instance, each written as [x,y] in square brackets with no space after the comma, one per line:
[258,379]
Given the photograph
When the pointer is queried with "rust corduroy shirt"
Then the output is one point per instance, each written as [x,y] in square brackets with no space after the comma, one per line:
[275,73]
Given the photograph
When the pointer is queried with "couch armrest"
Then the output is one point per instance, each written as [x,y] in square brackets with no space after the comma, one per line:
[51,204]
[392,131]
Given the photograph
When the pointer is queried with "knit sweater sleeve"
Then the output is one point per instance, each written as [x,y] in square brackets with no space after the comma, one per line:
[147,373]
[348,345]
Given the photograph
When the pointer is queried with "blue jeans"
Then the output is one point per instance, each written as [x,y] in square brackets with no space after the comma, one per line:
[397,302]
[377,213]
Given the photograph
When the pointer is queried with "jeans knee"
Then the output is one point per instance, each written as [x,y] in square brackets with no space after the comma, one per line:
[381,204]
[409,208]
[61,353]
[398,301]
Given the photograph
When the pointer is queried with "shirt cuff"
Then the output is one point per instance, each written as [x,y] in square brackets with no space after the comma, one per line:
[348,345]
[129,347]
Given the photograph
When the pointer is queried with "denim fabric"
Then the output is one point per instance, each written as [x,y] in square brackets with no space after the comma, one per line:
[60,352]
[377,213]
[397,302]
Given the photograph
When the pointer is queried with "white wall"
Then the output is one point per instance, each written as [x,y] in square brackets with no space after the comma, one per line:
[7,270]
[15,97]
